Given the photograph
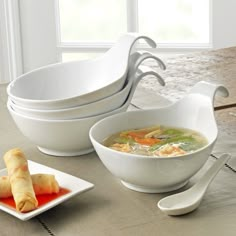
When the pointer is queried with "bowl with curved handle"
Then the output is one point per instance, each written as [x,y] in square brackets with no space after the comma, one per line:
[161,174]
[70,84]
[94,108]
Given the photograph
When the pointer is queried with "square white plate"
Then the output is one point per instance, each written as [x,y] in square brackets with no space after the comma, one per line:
[74,184]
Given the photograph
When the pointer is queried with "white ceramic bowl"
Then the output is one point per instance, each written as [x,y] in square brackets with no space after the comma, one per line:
[162,174]
[59,137]
[75,83]
[64,137]
[94,108]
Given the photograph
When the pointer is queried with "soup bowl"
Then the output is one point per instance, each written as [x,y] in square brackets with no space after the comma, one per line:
[65,137]
[94,108]
[160,174]
[70,84]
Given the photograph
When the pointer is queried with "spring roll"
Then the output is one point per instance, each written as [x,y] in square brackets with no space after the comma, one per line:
[42,184]
[5,187]
[20,180]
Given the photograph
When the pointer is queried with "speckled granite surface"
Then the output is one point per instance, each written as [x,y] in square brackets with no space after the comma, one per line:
[184,71]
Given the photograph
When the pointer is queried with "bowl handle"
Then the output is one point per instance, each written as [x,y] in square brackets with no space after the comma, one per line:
[147,55]
[144,71]
[140,74]
[209,89]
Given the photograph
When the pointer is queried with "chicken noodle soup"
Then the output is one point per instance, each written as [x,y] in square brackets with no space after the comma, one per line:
[157,141]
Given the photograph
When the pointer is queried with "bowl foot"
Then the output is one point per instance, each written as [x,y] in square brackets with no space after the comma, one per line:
[143,189]
[66,154]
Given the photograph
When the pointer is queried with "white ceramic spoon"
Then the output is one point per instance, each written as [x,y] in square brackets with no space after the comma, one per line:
[189,200]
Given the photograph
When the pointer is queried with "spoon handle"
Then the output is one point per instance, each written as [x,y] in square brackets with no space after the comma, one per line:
[211,173]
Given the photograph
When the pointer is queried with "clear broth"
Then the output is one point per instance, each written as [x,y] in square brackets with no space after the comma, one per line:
[157,141]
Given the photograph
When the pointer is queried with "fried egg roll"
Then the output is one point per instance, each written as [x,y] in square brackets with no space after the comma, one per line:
[20,180]
[42,184]
[5,187]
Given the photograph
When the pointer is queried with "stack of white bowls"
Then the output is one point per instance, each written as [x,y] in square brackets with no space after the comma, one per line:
[55,106]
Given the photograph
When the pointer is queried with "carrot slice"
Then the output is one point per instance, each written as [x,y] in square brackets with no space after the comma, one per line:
[137,134]
[147,141]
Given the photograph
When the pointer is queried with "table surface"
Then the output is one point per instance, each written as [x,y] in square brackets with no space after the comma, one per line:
[112,209]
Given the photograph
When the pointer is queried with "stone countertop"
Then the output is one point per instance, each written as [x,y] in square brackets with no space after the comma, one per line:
[218,66]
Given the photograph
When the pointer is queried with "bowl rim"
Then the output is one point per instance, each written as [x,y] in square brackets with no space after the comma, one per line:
[58,100]
[68,99]
[109,113]
[74,108]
